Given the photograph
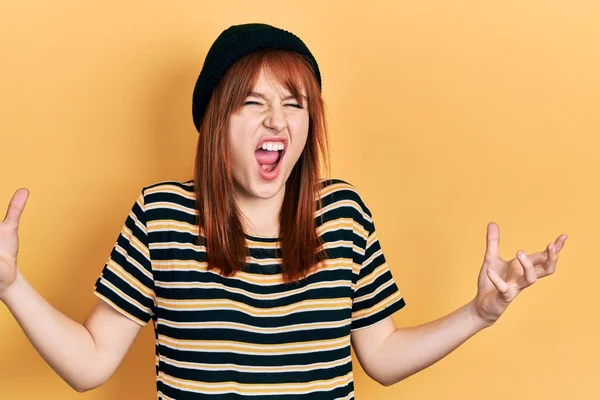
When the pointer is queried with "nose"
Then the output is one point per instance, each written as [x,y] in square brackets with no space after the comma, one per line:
[275,119]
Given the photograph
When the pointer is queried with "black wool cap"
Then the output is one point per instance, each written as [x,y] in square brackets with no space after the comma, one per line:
[234,43]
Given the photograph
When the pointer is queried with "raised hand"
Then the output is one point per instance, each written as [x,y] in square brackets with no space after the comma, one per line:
[9,239]
[501,281]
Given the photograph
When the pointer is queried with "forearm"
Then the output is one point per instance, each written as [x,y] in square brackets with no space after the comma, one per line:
[409,350]
[67,346]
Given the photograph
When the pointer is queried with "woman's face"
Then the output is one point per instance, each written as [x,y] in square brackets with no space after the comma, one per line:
[266,138]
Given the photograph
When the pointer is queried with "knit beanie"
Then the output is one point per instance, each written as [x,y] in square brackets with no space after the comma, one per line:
[234,43]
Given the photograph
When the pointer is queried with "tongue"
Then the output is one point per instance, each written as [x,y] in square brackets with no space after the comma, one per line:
[266,157]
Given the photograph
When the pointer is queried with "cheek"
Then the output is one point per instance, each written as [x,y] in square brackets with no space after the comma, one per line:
[236,128]
[239,135]
[299,131]
[235,155]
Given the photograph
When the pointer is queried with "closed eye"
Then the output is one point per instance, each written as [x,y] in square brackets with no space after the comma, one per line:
[250,102]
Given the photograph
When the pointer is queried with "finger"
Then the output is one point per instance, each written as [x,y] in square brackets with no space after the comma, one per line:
[492,242]
[500,285]
[15,208]
[541,257]
[560,242]
[529,274]
[550,265]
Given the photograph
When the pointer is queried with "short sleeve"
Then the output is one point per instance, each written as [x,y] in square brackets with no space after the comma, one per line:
[126,281]
[376,295]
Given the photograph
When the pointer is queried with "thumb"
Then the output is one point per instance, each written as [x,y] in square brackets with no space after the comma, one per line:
[16,206]
[492,240]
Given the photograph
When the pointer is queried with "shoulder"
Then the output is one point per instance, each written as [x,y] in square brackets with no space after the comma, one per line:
[169,194]
[341,199]
[169,186]
[181,188]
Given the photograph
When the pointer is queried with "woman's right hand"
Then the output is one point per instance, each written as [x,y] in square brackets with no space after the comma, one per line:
[9,239]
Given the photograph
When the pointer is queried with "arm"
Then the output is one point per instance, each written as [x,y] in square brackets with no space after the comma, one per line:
[389,355]
[83,355]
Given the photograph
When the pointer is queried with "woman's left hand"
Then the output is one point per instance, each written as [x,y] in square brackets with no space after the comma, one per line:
[501,281]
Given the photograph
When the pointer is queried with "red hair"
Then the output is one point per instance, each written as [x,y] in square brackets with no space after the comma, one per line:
[218,215]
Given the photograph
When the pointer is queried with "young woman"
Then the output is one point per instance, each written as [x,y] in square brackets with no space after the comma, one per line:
[258,275]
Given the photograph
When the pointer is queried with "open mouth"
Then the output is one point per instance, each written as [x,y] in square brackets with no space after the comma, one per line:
[269,159]
[270,153]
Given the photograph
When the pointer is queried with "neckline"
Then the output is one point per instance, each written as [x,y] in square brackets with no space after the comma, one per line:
[262,238]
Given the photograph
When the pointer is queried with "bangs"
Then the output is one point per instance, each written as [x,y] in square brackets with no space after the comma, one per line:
[288,69]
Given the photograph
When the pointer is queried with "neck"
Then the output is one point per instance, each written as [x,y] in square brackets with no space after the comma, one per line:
[260,217]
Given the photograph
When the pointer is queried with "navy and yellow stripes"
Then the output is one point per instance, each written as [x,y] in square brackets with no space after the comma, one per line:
[250,335]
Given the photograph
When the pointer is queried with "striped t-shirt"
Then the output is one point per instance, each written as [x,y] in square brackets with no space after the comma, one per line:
[249,335]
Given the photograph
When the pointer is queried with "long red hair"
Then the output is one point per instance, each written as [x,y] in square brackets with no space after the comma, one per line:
[218,215]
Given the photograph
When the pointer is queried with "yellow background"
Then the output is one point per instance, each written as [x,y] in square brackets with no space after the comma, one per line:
[444,115]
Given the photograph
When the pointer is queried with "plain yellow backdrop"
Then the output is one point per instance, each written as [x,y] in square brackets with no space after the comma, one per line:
[444,115]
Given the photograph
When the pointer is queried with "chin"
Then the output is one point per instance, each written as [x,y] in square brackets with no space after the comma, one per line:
[266,190]
[253,186]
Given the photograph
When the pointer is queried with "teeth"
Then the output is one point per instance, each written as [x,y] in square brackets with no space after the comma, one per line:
[272,146]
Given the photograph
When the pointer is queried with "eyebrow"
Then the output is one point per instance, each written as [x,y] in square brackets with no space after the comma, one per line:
[262,96]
